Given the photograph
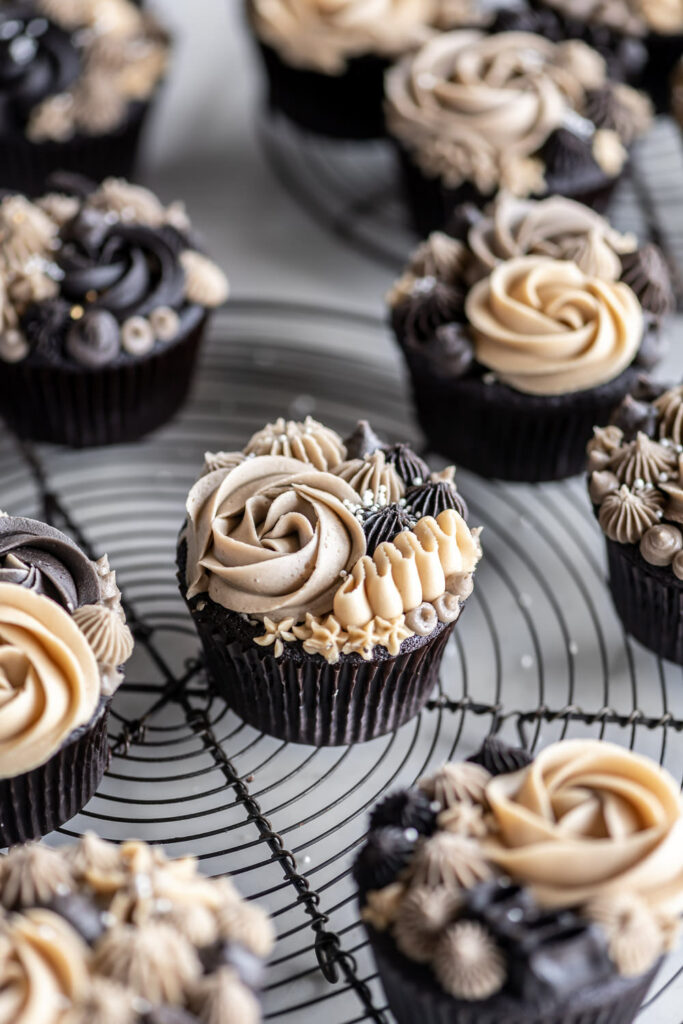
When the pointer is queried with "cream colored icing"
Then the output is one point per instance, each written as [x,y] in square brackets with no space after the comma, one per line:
[589,818]
[373,478]
[26,232]
[205,282]
[544,327]
[106,632]
[625,515]
[421,917]
[455,783]
[643,459]
[324,34]
[468,963]
[635,938]
[309,441]
[32,874]
[634,17]
[154,960]
[246,924]
[413,568]
[221,998]
[478,108]
[670,409]
[382,906]
[271,537]
[447,859]
[49,681]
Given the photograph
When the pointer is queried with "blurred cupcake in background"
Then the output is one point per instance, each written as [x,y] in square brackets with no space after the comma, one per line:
[104,301]
[77,79]
[472,114]
[325,62]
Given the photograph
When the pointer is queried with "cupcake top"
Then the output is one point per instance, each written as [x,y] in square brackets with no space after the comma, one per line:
[511,110]
[74,67]
[63,640]
[323,35]
[342,548]
[95,933]
[529,878]
[635,468]
[94,275]
[543,294]
[633,17]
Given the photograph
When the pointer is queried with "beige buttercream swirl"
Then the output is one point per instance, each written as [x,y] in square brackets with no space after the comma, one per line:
[309,441]
[325,34]
[545,328]
[373,478]
[588,818]
[49,681]
[271,537]
[107,633]
[402,574]
[479,108]
[557,227]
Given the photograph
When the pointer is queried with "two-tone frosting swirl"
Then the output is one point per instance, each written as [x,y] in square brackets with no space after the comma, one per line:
[544,327]
[634,17]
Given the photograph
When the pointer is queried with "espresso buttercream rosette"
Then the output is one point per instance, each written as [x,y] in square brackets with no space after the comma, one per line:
[635,468]
[324,578]
[104,299]
[77,79]
[509,888]
[63,641]
[99,933]
[525,330]
[473,114]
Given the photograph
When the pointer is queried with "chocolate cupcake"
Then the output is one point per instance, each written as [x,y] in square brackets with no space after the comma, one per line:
[635,468]
[325,63]
[653,26]
[104,302]
[472,114]
[324,578]
[677,94]
[95,933]
[77,79]
[525,331]
[63,640]
[546,892]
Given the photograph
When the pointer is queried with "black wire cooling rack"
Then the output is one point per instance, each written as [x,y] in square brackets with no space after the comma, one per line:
[538,655]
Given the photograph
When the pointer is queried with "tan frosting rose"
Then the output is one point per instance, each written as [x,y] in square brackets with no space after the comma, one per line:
[588,818]
[271,537]
[49,680]
[324,34]
[545,328]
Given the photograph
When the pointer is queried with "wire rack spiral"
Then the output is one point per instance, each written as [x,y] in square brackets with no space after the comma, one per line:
[539,655]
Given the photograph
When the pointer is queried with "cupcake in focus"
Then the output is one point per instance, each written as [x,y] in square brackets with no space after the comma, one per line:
[472,114]
[77,79]
[95,933]
[510,888]
[525,331]
[104,299]
[635,467]
[63,640]
[324,578]
[325,62]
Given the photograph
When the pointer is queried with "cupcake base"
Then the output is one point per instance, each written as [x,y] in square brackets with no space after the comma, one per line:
[26,166]
[414,995]
[345,106]
[648,599]
[498,432]
[663,54]
[80,407]
[39,801]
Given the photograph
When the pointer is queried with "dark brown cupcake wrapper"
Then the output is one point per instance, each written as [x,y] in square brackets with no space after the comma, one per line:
[501,433]
[649,600]
[39,801]
[25,166]
[415,997]
[114,404]
[432,204]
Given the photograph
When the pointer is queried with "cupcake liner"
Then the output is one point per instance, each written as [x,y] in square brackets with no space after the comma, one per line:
[414,995]
[83,407]
[39,801]
[498,432]
[648,599]
[431,204]
[345,106]
[663,53]
[25,166]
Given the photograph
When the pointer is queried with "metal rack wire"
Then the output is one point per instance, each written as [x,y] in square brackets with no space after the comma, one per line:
[538,655]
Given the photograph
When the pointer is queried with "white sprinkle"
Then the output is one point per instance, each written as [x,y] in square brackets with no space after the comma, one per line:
[527,661]
[573,647]
[525,600]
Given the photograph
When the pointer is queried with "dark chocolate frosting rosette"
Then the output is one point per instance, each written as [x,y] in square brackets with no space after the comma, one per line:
[509,887]
[63,641]
[523,327]
[99,933]
[102,287]
[325,577]
[76,79]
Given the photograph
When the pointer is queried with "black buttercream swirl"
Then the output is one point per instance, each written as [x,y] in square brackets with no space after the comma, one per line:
[37,59]
[41,558]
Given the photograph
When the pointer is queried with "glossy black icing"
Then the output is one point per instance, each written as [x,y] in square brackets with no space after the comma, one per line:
[431,498]
[82,913]
[249,967]
[409,466]
[405,808]
[385,524]
[431,304]
[386,852]
[500,758]
[363,441]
